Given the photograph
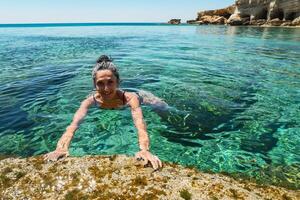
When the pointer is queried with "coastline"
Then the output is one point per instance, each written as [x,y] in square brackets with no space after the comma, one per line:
[108,177]
[247,13]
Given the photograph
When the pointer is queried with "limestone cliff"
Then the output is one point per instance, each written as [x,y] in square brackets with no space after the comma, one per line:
[121,177]
[224,12]
[269,9]
[254,12]
[218,16]
[266,12]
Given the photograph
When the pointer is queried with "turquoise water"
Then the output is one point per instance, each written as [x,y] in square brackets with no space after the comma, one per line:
[233,92]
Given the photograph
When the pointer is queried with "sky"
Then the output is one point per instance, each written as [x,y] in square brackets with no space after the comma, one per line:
[59,11]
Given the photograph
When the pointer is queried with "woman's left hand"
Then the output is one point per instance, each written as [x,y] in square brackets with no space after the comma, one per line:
[148,157]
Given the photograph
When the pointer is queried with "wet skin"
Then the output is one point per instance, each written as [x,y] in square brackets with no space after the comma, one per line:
[109,96]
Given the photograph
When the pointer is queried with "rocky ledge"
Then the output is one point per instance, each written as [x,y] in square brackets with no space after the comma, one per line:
[122,177]
[219,16]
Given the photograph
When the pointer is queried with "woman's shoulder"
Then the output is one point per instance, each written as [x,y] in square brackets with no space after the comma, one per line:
[130,94]
[89,100]
[132,98]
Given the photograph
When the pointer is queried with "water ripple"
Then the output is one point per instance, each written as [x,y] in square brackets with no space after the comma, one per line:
[233,94]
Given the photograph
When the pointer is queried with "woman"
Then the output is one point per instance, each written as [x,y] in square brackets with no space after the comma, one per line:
[109,96]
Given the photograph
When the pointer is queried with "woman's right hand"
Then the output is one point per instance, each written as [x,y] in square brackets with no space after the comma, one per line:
[56,155]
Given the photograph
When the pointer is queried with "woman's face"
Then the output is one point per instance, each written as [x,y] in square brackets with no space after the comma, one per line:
[106,84]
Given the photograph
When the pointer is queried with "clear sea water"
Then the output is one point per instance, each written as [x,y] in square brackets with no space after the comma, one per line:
[233,92]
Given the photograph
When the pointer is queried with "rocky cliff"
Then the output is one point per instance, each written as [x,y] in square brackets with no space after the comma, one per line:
[269,9]
[266,12]
[218,16]
[121,177]
[254,12]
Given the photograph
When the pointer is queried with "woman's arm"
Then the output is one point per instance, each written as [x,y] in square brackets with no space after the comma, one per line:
[144,144]
[137,116]
[65,140]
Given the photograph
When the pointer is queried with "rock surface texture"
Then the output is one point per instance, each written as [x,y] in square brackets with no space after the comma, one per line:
[253,12]
[121,177]
[174,21]
[218,16]
[274,12]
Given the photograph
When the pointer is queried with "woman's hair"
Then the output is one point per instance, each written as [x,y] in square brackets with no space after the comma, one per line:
[105,63]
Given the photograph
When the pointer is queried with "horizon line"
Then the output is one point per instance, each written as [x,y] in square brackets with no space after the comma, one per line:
[137,22]
[52,24]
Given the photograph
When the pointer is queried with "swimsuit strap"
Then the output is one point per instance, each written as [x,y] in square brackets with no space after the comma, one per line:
[95,101]
[99,105]
[123,97]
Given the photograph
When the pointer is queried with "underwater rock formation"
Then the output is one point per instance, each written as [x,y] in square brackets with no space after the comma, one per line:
[122,177]
[274,12]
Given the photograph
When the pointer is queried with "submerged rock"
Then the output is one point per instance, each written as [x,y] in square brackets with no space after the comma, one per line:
[122,177]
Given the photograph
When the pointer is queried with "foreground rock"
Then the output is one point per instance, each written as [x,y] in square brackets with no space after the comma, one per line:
[121,177]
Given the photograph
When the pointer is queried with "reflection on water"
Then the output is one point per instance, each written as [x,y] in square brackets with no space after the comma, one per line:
[233,94]
[265,32]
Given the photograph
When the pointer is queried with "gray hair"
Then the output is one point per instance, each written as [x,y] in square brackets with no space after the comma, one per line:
[105,63]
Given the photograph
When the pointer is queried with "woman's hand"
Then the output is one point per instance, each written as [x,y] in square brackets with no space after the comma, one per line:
[56,155]
[148,157]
